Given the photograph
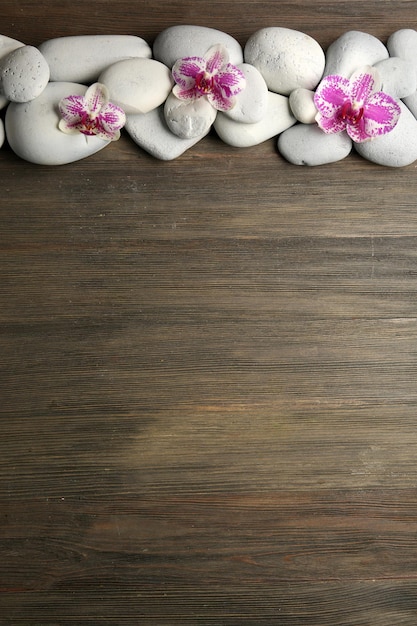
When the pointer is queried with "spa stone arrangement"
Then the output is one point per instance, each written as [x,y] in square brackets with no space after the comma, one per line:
[72,96]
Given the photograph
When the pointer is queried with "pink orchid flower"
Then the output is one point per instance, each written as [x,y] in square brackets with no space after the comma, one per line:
[355,105]
[211,76]
[92,114]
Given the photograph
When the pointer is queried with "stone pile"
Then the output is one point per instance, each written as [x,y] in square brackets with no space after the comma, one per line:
[278,71]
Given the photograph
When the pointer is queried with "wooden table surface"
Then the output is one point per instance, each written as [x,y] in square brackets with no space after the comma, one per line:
[208,366]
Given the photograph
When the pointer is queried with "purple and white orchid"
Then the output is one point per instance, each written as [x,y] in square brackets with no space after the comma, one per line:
[92,114]
[211,76]
[355,105]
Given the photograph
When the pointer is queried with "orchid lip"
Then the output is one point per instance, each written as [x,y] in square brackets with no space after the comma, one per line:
[204,82]
[350,114]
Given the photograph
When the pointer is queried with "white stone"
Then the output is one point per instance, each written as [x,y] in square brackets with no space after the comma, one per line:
[177,42]
[411,102]
[7,45]
[33,134]
[396,148]
[24,74]
[2,133]
[353,50]
[137,85]
[151,133]
[188,119]
[250,103]
[403,44]
[398,77]
[302,105]
[306,144]
[82,58]
[278,118]
[286,58]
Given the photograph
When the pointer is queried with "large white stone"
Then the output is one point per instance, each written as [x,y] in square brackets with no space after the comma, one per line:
[353,50]
[396,148]
[306,144]
[188,119]
[277,118]
[250,103]
[2,133]
[82,58]
[286,58]
[137,85]
[33,134]
[24,74]
[152,134]
[177,42]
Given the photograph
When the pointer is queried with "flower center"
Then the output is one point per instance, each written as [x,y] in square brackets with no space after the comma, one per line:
[90,124]
[350,113]
[204,82]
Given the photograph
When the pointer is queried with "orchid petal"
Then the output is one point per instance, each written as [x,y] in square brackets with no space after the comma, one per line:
[232,80]
[382,113]
[186,94]
[330,125]
[72,107]
[357,132]
[96,98]
[68,128]
[330,95]
[185,70]
[102,134]
[216,58]
[219,101]
[363,83]
[112,119]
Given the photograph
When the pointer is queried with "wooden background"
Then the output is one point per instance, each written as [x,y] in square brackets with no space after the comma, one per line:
[208,366]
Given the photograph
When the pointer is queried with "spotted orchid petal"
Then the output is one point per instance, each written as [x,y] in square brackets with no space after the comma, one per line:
[330,95]
[92,114]
[72,110]
[211,76]
[219,101]
[216,58]
[357,132]
[227,84]
[363,83]
[382,113]
[330,125]
[97,98]
[185,70]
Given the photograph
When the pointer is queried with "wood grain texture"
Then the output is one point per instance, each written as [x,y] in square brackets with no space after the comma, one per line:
[208,367]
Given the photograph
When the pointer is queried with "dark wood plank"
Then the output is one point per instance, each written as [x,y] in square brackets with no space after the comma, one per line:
[207,367]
